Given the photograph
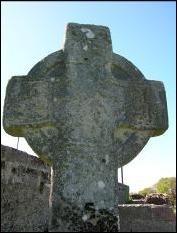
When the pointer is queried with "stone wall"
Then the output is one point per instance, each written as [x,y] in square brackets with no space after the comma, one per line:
[146,218]
[123,193]
[24,192]
[25,185]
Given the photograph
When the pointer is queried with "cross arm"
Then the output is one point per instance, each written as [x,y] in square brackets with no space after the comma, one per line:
[26,105]
[145,107]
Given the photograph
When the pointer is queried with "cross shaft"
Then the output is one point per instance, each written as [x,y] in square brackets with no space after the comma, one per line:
[86,111]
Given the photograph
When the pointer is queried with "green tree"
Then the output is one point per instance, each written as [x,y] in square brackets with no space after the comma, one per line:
[166,185]
[146,191]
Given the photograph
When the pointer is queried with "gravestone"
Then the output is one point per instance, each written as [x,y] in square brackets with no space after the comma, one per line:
[85,111]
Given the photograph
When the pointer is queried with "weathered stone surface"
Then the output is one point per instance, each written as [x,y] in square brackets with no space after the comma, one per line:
[123,193]
[24,202]
[86,111]
[146,218]
[25,187]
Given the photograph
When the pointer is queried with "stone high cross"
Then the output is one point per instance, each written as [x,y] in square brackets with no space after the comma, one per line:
[86,111]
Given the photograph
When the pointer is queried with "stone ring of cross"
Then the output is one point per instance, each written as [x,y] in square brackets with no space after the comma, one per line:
[85,111]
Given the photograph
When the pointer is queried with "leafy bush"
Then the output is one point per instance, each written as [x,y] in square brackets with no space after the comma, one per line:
[164,186]
[137,196]
[168,185]
[130,201]
[146,191]
[157,199]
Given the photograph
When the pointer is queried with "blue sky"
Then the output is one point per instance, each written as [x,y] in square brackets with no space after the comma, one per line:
[143,32]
